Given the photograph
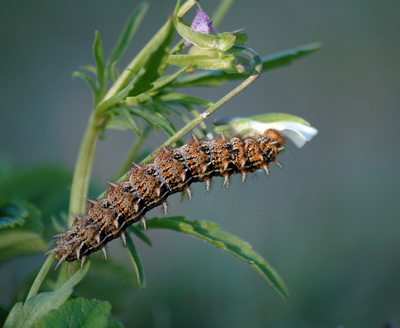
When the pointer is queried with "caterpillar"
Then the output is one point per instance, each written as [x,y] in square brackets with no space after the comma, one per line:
[149,185]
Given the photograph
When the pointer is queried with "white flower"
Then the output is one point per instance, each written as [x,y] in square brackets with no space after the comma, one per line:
[294,128]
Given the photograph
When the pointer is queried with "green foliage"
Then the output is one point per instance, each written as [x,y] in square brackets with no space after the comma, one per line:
[128,32]
[45,187]
[114,278]
[217,78]
[29,314]
[3,315]
[210,233]
[12,214]
[26,237]
[138,233]
[136,262]
[80,312]
[141,97]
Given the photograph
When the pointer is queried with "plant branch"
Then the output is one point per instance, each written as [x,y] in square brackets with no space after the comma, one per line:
[254,75]
[83,168]
[133,66]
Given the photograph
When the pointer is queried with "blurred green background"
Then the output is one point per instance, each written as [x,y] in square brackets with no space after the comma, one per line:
[328,222]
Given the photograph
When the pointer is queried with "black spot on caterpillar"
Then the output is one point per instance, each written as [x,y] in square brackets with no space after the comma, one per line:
[149,185]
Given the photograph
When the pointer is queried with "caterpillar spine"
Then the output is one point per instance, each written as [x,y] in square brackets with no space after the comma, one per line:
[149,185]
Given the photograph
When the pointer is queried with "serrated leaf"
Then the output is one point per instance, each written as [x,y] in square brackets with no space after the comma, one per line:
[217,78]
[29,313]
[136,262]
[98,57]
[125,114]
[23,240]
[76,313]
[12,213]
[128,32]
[205,41]
[152,70]
[139,233]
[210,233]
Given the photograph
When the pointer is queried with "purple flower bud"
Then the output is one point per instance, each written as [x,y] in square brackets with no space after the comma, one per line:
[201,23]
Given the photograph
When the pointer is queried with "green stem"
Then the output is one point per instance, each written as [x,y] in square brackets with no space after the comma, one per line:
[84,162]
[83,168]
[41,275]
[134,65]
[254,75]
[131,156]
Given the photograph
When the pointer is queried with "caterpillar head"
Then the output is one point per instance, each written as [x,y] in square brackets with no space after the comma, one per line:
[274,136]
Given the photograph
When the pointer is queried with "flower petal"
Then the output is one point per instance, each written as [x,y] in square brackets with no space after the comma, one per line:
[298,133]
[201,23]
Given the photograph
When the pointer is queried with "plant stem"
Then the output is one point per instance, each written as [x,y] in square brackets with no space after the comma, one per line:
[134,65]
[130,158]
[83,168]
[41,275]
[254,75]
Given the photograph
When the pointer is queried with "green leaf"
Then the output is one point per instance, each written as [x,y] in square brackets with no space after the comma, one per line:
[88,80]
[164,81]
[118,98]
[226,62]
[116,280]
[153,67]
[157,120]
[89,68]
[125,114]
[136,262]
[205,41]
[139,233]
[126,35]
[287,57]
[48,190]
[98,57]
[22,240]
[210,233]
[3,315]
[217,78]
[79,312]
[241,39]
[29,313]
[177,98]
[11,214]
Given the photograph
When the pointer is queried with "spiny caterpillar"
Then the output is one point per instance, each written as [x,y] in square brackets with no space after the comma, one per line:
[149,185]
